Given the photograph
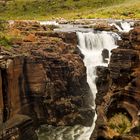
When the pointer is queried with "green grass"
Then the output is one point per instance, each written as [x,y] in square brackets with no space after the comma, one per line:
[4,40]
[120,123]
[70,9]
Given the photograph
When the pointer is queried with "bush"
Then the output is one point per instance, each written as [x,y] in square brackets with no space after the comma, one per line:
[5,41]
[2,25]
[120,123]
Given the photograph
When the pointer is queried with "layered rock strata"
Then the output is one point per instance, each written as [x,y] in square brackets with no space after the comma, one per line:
[43,77]
[118,97]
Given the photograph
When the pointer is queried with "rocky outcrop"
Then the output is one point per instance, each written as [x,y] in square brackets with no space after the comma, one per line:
[19,127]
[43,81]
[43,77]
[118,107]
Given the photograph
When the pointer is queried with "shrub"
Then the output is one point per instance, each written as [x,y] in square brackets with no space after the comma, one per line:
[120,123]
[5,41]
[2,25]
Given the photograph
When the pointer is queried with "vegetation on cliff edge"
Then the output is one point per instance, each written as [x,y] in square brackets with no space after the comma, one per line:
[120,123]
[4,40]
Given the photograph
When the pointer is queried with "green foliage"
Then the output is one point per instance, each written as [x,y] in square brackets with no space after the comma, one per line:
[70,9]
[120,123]
[2,25]
[5,40]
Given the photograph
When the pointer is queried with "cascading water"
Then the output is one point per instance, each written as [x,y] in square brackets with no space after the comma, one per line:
[124,26]
[91,46]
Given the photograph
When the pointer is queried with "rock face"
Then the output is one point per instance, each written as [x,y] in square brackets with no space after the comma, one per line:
[19,127]
[43,77]
[43,81]
[118,97]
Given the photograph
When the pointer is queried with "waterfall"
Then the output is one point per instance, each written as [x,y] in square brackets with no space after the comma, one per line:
[124,26]
[92,46]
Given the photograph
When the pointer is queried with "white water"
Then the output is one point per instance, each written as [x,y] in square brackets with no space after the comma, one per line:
[124,26]
[48,23]
[91,45]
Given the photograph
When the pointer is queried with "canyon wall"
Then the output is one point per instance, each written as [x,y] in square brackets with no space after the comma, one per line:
[43,81]
[118,97]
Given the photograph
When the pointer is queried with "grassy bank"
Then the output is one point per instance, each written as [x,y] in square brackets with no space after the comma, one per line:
[69,9]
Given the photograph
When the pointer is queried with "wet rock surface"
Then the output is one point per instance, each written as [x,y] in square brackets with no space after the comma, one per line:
[118,109]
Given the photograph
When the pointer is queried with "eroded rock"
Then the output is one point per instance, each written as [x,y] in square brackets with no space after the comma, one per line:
[121,98]
[43,77]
